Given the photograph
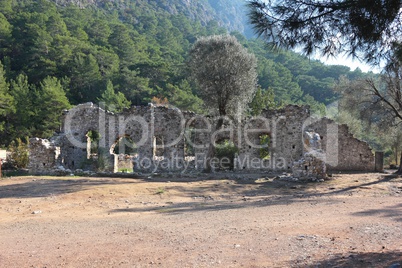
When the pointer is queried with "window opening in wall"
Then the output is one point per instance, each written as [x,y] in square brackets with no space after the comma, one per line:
[125,150]
[97,157]
[159,149]
[189,151]
[226,151]
[93,138]
[124,145]
[265,140]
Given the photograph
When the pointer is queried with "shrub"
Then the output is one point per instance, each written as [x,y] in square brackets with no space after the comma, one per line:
[18,157]
[227,149]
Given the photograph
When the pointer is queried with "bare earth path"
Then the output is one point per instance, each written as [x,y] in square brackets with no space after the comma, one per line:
[249,221]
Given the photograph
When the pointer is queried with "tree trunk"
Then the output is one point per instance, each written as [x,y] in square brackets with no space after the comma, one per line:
[211,149]
[400,165]
[209,156]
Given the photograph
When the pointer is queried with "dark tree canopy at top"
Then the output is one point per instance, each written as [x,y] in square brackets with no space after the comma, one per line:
[361,28]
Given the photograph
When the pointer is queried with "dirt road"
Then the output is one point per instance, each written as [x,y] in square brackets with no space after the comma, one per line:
[248,221]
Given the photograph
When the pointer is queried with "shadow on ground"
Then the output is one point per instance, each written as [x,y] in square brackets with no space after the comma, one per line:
[207,192]
[202,203]
[394,212]
[382,179]
[391,259]
[46,187]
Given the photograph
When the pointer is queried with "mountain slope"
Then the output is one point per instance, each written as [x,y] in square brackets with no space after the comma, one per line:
[230,14]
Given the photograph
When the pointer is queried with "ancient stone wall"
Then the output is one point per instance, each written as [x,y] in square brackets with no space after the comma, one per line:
[310,167]
[44,155]
[284,126]
[167,139]
[343,152]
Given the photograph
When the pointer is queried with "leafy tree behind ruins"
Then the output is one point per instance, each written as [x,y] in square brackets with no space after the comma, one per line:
[225,73]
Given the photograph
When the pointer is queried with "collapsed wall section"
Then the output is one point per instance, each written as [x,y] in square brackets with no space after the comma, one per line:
[343,152]
[43,156]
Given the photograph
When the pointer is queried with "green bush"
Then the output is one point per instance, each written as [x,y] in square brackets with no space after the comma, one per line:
[19,154]
[227,149]
[102,162]
[264,152]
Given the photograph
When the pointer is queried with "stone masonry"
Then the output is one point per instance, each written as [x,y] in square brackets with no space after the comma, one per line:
[43,155]
[167,139]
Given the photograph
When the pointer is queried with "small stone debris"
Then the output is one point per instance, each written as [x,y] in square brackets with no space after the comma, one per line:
[37,212]
[310,167]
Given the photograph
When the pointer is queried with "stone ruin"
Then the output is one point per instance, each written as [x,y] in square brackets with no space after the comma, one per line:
[149,139]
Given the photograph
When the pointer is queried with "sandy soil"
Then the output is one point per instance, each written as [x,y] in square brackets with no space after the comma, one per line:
[354,220]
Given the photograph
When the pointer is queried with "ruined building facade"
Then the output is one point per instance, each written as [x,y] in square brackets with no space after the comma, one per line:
[161,139]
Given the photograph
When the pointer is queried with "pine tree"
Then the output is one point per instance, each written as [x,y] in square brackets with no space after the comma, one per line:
[114,102]
[49,102]
[6,100]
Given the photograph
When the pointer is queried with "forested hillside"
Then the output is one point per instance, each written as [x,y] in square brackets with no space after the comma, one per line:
[55,54]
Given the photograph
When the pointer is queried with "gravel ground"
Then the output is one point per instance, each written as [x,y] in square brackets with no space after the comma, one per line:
[353,220]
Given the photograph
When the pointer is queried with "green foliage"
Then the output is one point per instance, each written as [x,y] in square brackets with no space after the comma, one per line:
[5,35]
[125,145]
[226,150]
[37,110]
[126,170]
[265,141]
[6,100]
[85,79]
[160,191]
[94,136]
[263,99]
[102,160]
[331,27]
[367,118]
[225,72]
[19,154]
[20,120]
[47,104]
[123,52]
[115,102]
[182,97]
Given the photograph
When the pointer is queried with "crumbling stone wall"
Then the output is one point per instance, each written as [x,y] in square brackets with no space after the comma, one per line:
[284,126]
[343,152]
[167,139]
[77,122]
[43,156]
[310,167]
